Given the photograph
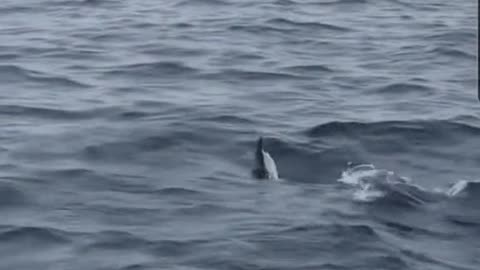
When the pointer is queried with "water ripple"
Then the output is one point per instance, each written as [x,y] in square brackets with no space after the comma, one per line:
[129,131]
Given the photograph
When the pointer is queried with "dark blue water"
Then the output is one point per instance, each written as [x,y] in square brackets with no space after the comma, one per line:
[128,130]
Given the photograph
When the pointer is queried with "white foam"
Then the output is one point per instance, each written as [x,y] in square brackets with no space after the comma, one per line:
[458,187]
[353,176]
[367,194]
[371,183]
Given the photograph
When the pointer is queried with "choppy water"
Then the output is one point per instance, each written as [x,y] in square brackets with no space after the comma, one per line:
[128,130]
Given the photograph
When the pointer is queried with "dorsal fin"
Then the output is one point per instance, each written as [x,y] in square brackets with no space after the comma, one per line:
[259,169]
[265,167]
[258,153]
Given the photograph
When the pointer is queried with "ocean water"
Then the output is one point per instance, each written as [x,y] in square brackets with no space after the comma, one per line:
[128,130]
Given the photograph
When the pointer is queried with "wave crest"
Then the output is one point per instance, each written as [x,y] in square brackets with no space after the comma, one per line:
[464,188]
[371,184]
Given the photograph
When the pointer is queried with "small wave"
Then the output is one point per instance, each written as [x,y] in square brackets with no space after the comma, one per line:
[412,130]
[155,69]
[17,9]
[178,191]
[72,173]
[335,230]
[93,180]
[183,25]
[109,37]
[127,149]
[340,2]
[202,3]
[109,151]
[403,3]
[152,103]
[9,56]
[49,113]
[117,240]
[349,2]
[133,115]
[464,221]
[177,51]
[84,3]
[236,55]
[61,81]
[340,238]
[132,251]
[425,257]
[285,2]
[227,119]
[260,29]
[13,73]
[137,266]
[409,229]
[144,25]
[309,25]
[207,209]
[78,54]
[457,36]
[455,53]
[10,195]
[302,69]
[235,74]
[35,236]
[404,88]
[96,2]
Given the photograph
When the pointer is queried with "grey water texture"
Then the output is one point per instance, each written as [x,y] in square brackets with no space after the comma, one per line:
[128,135]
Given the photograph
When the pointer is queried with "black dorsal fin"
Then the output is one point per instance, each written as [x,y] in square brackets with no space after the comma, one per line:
[259,171]
[258,152]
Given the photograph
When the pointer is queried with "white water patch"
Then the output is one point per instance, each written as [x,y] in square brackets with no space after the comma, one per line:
[371,183]
[459,187]
[367,194]
[360,176]
[354,175]
[456,188]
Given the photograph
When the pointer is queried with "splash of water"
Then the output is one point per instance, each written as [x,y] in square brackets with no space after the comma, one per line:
[370,184]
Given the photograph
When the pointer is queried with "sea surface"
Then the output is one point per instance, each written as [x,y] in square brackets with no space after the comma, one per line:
[128,131]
